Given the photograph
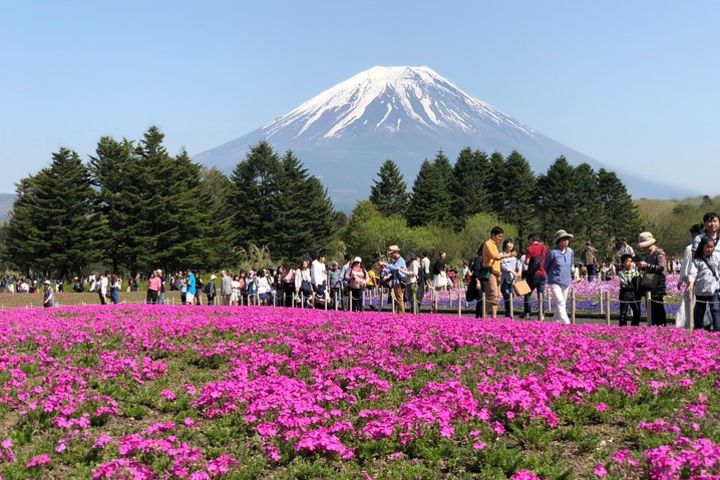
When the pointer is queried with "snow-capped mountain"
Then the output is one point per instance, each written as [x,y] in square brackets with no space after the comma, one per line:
[404,113]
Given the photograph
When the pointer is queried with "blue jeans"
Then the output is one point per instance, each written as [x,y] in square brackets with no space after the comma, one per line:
[506,289]
[703,301]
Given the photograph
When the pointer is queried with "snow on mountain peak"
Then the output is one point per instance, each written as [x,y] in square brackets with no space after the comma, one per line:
[390,99]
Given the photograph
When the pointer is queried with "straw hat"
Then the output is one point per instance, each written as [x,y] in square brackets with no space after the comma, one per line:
[393,248]
[560,234]
[645,239]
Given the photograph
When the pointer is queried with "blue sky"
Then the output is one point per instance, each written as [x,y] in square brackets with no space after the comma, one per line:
[631,84]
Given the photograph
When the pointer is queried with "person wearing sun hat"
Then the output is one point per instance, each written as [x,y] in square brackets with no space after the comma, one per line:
[558,266]
[356,279]
[398,271]
[655,264]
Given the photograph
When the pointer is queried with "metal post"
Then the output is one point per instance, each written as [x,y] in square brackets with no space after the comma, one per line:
[484,306]
[648,308]
[512,306]
[541,306]
[362,301]
[337,298]
[549,300]
[382,297]
[691,316]
[572,296]
[607,310]
[459,306]
[602,300]
[302,300]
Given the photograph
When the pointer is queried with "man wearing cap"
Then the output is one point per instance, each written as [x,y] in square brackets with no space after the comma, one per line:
[48,295]
[558,266]
[398,271]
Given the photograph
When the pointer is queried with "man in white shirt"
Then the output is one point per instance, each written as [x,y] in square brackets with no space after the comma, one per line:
[318,273]
[425,262]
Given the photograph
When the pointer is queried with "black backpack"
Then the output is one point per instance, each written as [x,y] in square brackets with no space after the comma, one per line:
[535,264]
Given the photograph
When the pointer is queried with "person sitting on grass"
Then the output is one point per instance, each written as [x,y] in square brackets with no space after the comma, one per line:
[629,277]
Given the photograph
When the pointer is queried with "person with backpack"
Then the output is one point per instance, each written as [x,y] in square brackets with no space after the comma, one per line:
[535,273]
[703,280]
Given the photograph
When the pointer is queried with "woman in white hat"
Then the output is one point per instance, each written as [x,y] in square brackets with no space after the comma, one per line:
[356,278]
[558,267]
[654,267]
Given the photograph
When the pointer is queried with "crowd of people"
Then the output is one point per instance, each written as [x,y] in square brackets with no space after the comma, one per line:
[498,272]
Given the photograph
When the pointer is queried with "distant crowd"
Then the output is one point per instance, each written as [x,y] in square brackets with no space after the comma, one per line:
[498,272]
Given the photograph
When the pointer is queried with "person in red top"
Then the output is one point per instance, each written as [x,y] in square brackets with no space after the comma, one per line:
[535,272]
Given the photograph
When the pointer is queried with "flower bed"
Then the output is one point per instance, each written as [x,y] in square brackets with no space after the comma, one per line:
[209,392]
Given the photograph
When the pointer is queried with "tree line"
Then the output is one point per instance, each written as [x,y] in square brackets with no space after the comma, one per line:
[593,205]
[133,207]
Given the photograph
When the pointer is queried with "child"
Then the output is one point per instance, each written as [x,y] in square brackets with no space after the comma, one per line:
[629,278]
[703,280]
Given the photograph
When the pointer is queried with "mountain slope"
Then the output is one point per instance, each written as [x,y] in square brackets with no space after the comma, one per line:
[404,113]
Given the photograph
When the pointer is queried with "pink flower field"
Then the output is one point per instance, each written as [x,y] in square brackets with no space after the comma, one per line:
[149,392]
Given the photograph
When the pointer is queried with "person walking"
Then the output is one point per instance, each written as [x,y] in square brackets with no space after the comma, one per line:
[511,271]
[303,282]
[103,288]
[535,272]
[356,279]
[683,313]
[704,282]
[654,267]
[153,289]
[48,295]
[318,272]
[412,280]
[558,265]
[335,281]
[397,269]
[490,271]
[191,288]
[225,288]
[591,261]
[115,286]
[162,294]
[439,279]
[628,279]
[210,290]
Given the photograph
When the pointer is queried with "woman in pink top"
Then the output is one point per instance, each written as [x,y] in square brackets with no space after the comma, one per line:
[153,288]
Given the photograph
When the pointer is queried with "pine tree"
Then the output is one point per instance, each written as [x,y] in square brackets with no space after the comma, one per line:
[619,213]
[216,188]
[24,241]
[389,191]
[54,206]
[471,174]
[254,196]
[430,202]
[430,199]
[556,197]
[518,187]
[119,190]
[587,209]
[494,187]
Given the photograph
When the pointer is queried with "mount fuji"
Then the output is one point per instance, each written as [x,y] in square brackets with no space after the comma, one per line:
[406,114]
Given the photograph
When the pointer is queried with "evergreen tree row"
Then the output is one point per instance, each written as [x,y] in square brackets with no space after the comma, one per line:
[134,207]
[593,205]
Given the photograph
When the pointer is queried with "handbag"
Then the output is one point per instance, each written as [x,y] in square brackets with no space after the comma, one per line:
[521,288]
[650,281]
